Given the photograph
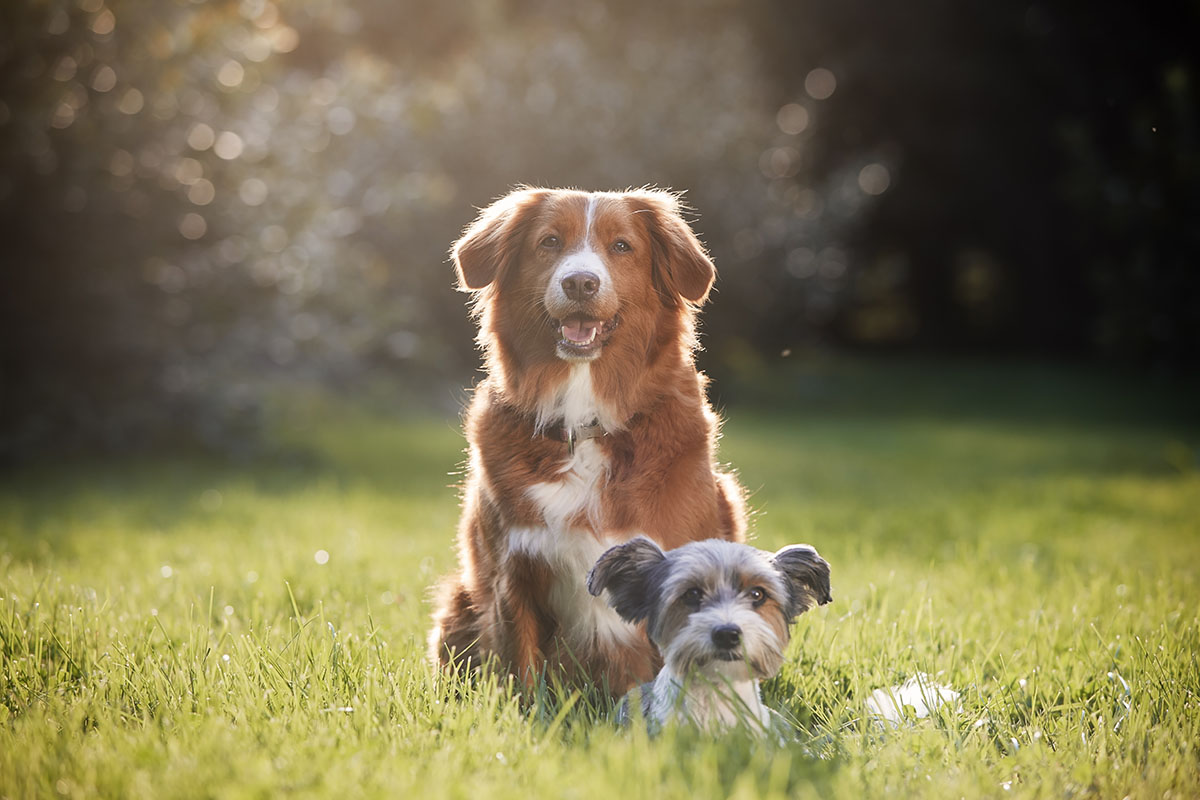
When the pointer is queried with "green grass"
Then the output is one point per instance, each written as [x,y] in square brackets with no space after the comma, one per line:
[166,629]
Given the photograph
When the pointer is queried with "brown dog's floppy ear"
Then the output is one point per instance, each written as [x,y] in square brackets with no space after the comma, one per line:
[494,238]
[627,571]
[807,576]
[682,268]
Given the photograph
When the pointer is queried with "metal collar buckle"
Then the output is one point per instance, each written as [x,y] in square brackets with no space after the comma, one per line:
[572,436]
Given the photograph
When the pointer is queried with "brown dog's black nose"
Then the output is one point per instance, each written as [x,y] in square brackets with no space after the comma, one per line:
[581,285]
[727,637]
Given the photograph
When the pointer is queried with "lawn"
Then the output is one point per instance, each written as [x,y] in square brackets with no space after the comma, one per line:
[178,626]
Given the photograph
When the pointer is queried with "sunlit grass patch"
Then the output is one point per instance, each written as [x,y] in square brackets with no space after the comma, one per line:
[181,627]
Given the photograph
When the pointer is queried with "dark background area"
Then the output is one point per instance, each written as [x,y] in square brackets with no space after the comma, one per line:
[204,202]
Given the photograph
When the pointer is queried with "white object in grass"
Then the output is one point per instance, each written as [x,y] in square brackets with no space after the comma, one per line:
[919,692]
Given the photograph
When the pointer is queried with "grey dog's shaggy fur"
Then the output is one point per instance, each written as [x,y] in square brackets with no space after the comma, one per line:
[720,614]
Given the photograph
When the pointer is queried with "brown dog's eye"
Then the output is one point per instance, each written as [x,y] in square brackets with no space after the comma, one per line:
[550,242]
[757,596]
[621,246]
[693,596]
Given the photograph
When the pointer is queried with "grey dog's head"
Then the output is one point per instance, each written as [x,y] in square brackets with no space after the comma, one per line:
[713,603]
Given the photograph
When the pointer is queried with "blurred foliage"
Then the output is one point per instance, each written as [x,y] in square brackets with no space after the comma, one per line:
[203,199]
[1044,166]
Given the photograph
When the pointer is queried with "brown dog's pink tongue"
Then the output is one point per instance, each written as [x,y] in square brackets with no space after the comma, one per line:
[579,330]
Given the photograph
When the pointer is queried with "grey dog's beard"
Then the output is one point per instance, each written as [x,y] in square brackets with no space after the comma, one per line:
[692,654]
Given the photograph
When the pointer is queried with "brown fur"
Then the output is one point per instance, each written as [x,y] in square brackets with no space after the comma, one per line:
[661,480]
[777,618]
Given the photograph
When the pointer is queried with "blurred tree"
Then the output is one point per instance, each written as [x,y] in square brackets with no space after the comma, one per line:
[205,198]
[1042,162]
[84,107]
[202,199]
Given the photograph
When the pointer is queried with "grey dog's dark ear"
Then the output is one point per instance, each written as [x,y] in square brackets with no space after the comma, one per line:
[807,576]
[494,239]
[628,572]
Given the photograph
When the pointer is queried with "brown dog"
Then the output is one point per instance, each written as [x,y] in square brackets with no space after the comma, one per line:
[591,427]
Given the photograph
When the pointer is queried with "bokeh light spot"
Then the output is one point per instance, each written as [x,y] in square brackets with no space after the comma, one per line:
[820,83]
[253,192]
[104,79]
[284,38]
[779,162]
[792,118]
[201,137]
[228,145]
[202,192]
[264,14]
[76,96]
[231,74]
[65,69]
[264,271]
[257,49]
[874,179]
[63,116]
[344,221]
[192,226]
[188,171]
[131,102]
[104,23]
[321,557]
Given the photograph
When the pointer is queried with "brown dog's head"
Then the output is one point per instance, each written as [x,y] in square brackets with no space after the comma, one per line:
[571,276]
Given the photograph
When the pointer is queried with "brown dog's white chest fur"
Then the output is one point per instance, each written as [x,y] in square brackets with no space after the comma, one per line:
[586,305]
[567,549]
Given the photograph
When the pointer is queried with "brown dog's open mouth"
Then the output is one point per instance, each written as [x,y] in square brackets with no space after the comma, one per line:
[582,336]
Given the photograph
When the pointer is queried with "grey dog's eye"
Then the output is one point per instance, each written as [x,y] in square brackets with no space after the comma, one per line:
[757,595]
[693,596]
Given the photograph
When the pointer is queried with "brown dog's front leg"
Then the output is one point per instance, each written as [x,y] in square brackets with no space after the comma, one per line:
[525,617]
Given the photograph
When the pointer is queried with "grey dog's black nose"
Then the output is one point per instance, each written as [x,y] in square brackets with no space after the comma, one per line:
[727,637]
[581,285]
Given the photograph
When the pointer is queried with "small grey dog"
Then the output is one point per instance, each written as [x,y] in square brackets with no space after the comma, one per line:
[719,612]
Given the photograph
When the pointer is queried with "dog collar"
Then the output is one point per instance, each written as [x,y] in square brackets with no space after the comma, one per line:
[561,433]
